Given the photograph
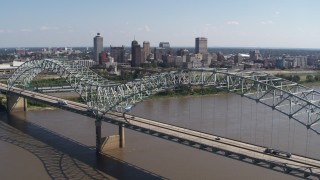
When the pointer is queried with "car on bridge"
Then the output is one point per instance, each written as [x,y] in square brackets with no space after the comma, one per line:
[277,152]
[62,102]
[90,109]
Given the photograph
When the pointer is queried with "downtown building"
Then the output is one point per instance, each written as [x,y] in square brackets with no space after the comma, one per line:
[118,53]
[146,49]
[97,47]
[255,55]
[159,52]
[166,46]
[136,54]
[162,51]
[201,45]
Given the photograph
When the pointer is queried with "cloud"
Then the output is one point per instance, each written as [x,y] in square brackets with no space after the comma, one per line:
[277,13]
[47,28]
[232,23]
[6,31]
[266,22]
[147,28]
[25,30]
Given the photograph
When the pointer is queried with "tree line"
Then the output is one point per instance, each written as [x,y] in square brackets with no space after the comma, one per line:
[296,78]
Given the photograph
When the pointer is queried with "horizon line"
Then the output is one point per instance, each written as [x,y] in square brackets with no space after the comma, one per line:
[231,47]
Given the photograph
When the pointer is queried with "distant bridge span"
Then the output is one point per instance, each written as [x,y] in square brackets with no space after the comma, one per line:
[296,101]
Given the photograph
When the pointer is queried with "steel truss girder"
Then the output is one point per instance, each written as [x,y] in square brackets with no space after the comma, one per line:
[296,101]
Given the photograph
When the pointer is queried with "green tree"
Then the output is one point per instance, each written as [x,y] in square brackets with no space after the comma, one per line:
[309,78]
[296,78]
[317,77]
[154,63]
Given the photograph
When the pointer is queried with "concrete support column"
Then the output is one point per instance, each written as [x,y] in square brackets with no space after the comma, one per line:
[16,103]
[106,144]
[98,136]
[25,102]
[121,134]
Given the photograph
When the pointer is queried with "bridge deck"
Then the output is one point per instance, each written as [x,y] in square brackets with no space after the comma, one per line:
[295,165]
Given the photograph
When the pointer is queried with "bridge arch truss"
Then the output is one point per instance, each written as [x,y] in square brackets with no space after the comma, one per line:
[296,101]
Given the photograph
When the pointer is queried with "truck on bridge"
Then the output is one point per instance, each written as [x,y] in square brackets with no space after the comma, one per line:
[277,152]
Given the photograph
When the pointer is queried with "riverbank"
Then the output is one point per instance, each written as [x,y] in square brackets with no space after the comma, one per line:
[38,108]
[34,105]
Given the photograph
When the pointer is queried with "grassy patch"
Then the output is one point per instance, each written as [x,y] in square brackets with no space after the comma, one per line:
[317,83]
[187,91]
[48,82]
[31,103]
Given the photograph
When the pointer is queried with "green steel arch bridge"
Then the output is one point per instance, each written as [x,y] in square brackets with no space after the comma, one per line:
[110,99]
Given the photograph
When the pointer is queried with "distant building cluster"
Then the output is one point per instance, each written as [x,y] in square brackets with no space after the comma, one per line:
[164,56]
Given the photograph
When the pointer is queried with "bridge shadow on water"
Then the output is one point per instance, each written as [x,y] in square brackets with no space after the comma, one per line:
[64,158]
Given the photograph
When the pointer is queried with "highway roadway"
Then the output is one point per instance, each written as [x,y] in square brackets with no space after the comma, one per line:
[295,165]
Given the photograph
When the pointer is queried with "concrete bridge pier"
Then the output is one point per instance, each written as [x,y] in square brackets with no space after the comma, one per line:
[16,103]
[121,134]
[98,135]
[104,144]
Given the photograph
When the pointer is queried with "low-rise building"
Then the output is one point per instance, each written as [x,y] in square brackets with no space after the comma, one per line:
[87,63]
[295,61]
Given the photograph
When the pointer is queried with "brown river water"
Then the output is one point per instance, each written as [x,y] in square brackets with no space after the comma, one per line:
[56,144]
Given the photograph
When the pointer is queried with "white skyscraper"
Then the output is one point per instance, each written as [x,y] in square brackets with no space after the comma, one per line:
[97,47]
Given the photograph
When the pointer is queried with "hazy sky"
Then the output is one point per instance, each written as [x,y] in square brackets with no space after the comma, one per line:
[226,23]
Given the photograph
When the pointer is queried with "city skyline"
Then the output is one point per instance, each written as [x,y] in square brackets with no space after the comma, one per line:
[271,24]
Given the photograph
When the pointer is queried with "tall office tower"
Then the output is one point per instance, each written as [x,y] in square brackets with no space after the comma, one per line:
[182,52]
[201,45]
[166,46]
[97,47]
[159,52]
[146,49]
[220,56]
[135,54]
[142,60]
[118,53]
[255,55]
